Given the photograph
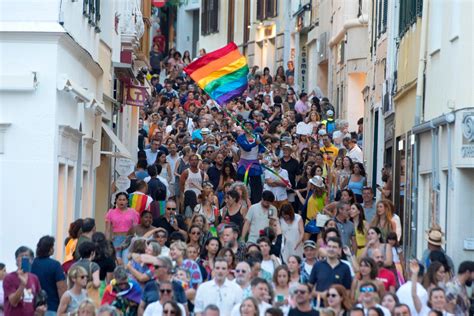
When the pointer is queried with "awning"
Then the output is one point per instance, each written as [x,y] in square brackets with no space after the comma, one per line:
[122,151]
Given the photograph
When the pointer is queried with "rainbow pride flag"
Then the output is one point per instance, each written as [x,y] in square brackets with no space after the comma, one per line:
[138,201]
[222,74]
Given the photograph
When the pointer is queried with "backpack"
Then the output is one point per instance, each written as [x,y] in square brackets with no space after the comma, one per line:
[330,126]
[160,193]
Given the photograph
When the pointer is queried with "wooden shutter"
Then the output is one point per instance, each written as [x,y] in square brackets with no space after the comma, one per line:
[260,8]
[214,16]
[204,17]
[384,15]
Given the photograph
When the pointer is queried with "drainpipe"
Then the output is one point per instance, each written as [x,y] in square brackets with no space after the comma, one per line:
[418,117]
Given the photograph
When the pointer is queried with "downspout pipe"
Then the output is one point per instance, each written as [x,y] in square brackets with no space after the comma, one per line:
[418,118]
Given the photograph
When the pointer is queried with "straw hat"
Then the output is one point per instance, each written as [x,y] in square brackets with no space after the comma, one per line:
[435,237]
[317,181]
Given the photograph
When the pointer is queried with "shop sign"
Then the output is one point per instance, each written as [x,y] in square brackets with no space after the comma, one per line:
[135,95]
[122,183]
[124,166]
[303,68]
[467,125]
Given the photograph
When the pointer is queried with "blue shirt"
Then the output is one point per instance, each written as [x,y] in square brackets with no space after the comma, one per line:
[49,272]
[323,275]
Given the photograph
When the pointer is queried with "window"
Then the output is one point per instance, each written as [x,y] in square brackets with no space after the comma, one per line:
[209,17]
[246,22]
[409,11]
[267,9]
[91,10]
[382,12]
[230,21]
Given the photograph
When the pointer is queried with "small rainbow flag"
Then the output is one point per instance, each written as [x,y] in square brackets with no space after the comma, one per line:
[222,74]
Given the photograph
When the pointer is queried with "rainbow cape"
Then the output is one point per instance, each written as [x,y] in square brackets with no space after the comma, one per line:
[222,74]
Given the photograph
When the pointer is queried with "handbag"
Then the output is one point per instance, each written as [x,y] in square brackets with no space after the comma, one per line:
[92,292]
[321,219]
[41,299]
[311,227]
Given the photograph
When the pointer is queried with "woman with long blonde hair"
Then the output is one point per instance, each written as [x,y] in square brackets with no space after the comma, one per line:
[383,218]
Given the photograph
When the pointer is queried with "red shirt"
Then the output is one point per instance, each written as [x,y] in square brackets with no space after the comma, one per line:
[26,306]
[387,277]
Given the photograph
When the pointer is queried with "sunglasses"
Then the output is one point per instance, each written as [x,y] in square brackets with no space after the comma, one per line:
[333,295]
[300,292]
[195,233]
[171,208]
[209,151]
[82,277]
[367,290]
[240,271]
[167,291]
[158,266]
[169,312]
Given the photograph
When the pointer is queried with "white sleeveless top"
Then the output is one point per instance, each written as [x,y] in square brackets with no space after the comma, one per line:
[193,182]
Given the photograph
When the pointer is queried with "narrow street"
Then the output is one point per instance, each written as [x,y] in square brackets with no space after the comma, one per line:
[236,157]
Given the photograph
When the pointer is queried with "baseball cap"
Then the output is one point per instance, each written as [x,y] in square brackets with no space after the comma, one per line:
[287,146]
[205,131]
[286,139]
[309,243]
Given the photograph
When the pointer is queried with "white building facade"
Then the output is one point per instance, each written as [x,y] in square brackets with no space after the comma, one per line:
[56,115]
[445,134]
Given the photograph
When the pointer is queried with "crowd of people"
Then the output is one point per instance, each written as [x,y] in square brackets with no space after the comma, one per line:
[258,208]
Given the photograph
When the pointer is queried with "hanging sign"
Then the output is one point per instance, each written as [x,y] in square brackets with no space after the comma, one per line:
[124,166]
[158,3]
[135,95]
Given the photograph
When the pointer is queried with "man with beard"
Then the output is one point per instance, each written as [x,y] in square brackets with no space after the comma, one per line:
[261,292]
[456,290]
[302,295]
[275,184]
[330,271]
[214,172]
[230,237]
[242,278]
[386,276]
[191,181]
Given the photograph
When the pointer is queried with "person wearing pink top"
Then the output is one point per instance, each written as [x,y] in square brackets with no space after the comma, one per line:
[119,220]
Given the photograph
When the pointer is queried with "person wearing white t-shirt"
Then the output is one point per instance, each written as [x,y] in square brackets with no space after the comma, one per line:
[412,293]
[270,262]
[261,292]
[258,216]
[166,294]
[275,183]
[353,150]
[220,291]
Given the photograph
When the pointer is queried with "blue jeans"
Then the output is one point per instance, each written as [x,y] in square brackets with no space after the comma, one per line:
[121,254]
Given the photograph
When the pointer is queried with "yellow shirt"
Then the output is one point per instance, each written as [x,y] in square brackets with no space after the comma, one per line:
[315,205]
[360,240]
[331,151]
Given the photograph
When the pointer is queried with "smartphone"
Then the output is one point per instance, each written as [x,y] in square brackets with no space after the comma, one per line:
[270,213]
[280,298]
[25,264]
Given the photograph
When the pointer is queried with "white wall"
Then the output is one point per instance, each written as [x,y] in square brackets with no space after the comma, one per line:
[449,58]
[29,10]
[28,167]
